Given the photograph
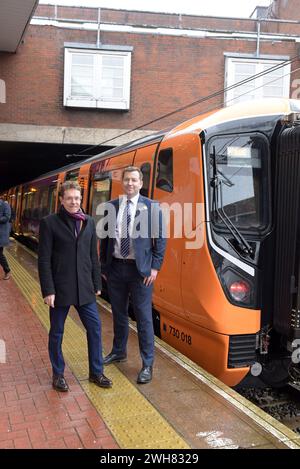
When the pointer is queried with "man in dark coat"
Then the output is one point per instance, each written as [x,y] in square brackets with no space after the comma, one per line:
[69,274]
[131,255]
[4,235]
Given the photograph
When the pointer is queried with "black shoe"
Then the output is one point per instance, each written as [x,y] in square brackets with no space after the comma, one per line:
[114,357]
[101,381]
[145,375]
[60,384]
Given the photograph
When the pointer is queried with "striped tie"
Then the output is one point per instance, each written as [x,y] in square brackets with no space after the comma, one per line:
[125,238]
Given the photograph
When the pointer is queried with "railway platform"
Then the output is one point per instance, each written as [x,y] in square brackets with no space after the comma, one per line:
[182,408]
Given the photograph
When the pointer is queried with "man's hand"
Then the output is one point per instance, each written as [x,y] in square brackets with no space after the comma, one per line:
[49,300]
[98,293]
[149,280]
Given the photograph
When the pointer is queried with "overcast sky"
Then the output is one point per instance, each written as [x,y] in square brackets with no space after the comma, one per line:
[235,8]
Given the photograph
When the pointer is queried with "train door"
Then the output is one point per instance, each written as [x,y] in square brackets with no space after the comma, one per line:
[17,223]
[61,178]
[106,182]
[80,175]
[12,200]
[115,167]
[167,190]
[83,181]
[100,192]
[167,286]
[52,196]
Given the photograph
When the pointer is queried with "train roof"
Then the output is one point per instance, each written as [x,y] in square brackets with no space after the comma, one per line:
[155,137]
[247,109]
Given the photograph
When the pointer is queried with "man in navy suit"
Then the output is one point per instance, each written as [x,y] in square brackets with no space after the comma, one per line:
[131,255]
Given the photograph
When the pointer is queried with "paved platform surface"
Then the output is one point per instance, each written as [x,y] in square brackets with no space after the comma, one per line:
[33,415]
[183,407]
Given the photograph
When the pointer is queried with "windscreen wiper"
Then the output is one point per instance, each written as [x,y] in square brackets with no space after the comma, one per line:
[217,182]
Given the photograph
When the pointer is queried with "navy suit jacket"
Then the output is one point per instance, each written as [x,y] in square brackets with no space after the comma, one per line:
[149,242]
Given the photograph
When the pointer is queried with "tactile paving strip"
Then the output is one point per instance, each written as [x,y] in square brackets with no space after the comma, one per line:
[132,420]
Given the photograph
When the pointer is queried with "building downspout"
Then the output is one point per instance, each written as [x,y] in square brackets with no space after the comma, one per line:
[98,29]
[258,39]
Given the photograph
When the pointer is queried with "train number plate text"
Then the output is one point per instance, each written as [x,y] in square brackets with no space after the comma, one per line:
[180,335]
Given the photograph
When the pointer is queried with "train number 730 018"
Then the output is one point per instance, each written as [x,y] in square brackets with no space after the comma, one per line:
[180,335]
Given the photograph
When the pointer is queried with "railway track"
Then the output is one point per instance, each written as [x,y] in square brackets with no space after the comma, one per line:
[282,404]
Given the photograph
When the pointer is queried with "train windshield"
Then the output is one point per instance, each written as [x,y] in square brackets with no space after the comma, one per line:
[239,181]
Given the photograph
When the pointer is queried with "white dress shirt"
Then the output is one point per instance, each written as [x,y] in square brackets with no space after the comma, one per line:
[132,210]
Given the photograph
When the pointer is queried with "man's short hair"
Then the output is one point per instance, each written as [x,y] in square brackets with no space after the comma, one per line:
[130,169]
[65,186]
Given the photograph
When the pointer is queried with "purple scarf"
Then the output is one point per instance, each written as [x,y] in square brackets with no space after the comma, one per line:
[79,217]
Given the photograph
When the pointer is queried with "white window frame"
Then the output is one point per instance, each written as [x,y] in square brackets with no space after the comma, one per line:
[97,101]
[231,62]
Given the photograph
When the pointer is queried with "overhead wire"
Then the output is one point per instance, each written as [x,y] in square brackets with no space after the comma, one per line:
[199,101]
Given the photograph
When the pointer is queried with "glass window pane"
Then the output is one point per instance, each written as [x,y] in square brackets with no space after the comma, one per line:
[80,59]
[82,77]
[146,170]
[109,60]
[101,190]
[164,178]
[241,167]
[112,72]
[79,71]
[244,69]
[72,175]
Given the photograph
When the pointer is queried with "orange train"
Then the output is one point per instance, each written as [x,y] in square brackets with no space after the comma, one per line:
[228,295]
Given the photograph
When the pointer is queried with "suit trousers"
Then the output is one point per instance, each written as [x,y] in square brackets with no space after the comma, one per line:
[3,261]
[89,317]
[123,280]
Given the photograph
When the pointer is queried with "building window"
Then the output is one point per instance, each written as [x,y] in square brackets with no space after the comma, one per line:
[275,84]
[97,79]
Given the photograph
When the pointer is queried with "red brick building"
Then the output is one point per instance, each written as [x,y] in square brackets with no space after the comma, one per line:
[83,75]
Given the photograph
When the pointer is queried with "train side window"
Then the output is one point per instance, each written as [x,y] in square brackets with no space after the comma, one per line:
[52,198]
[164,178]
[43,210]
[72,175]
[146,170]
[101,193]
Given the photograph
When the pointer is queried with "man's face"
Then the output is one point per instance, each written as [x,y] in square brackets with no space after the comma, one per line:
[71,200]
[132,183]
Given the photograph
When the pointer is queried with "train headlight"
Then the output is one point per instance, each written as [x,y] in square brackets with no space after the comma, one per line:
[240,291]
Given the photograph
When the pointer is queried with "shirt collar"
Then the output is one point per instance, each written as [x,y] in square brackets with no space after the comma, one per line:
[134,200]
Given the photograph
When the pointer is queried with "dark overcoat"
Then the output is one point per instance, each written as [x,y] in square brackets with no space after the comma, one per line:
[68,265]
[4,223]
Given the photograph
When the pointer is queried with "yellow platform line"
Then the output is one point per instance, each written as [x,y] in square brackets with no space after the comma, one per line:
[132,420]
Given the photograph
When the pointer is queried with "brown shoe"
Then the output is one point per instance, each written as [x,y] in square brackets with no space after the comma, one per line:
[6,276]
[101,381]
